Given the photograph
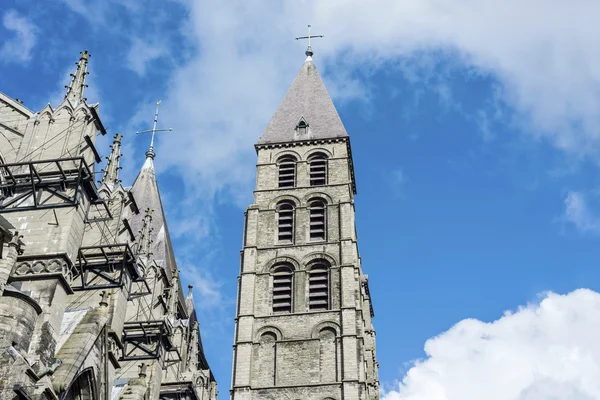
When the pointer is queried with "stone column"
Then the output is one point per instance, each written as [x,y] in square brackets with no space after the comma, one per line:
[7,263]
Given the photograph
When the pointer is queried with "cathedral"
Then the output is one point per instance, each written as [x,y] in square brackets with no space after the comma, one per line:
[91,302]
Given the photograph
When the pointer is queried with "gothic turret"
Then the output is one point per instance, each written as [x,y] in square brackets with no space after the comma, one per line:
[75,89]
[111,173]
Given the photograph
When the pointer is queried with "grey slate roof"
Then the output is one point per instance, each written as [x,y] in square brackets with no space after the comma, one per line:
[307,98]
[146,194]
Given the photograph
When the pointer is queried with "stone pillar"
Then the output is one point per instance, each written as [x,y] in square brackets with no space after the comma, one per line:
[8,261]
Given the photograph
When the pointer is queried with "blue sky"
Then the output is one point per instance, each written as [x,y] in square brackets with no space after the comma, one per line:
[475,130]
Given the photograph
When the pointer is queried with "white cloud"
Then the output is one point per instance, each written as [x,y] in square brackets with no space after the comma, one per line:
[142,52]
[17,48]
[578,212]
[546,351]
[541,53]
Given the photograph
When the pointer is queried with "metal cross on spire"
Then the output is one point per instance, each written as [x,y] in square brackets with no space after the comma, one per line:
[150,153]
[309,51]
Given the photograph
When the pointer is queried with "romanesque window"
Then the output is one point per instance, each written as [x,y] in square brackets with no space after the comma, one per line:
[282,288]
[285,222]
[318,169]
[328,355]
[318,286]
[318,219]
[287,171]
[266,360]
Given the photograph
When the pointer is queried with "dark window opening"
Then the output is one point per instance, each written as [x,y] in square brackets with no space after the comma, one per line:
[302,127]
[318,220]
[282,289]
[287,172]
[285,222]
[318,287]
[318,169]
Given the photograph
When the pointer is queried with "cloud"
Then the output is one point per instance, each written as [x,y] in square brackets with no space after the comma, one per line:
[18,47]
[578,212]
[545,351]
[142,52]
[221,98]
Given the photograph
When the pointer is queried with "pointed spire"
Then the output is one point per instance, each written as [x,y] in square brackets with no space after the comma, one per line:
[145,239]
[75,89]
[111,173]
[305,113]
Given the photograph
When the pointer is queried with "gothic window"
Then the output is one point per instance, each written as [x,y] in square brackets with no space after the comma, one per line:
[83,387]
[282,289]
[318,219]
[285,222]
[318,169]
[318,286]
[287,171]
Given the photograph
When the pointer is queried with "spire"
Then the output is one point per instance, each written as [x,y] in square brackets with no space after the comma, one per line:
[75,89]
[111,173]
[306,111]
[145,239]
[150,154]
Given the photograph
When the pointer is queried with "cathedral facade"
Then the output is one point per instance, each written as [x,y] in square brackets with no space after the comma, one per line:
[91,303]
[303,325]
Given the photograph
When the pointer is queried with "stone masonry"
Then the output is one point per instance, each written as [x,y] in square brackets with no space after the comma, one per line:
[91,304]
[303,326]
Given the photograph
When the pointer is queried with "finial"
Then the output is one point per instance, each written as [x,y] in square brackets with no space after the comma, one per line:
[190,287]
[150,153]
[111,173]
[145,240]
[309,52]
[75,89]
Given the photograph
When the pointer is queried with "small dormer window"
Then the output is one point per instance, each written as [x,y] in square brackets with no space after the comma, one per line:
[302,127]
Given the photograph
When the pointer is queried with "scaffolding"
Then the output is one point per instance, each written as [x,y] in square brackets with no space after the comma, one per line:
[147,340]
[53,183]
[108,266]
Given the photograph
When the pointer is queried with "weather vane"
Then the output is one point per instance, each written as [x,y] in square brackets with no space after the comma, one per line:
[150,153]
[309,51]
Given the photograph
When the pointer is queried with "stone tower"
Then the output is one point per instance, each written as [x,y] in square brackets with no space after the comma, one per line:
[303,326]
[91,304]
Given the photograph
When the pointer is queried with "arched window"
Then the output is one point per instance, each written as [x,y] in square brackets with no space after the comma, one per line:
[285,222]
[318,219]
[302,127]
[266,359]
[318,286]
[282,288]
[83,387]
[287,171]
[318,169]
